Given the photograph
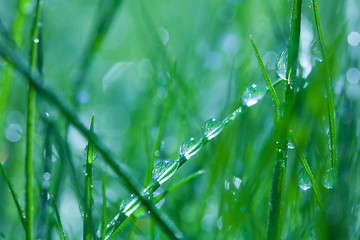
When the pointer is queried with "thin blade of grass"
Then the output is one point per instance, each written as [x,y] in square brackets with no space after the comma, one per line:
[30,129]
[103,216]
[13,194]
[62,234]
[308,171]
[88,187]
[330,101]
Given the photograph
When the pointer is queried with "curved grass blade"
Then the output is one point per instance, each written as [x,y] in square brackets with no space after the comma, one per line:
[62,234]
[308,171]
[330,101]
[13,194]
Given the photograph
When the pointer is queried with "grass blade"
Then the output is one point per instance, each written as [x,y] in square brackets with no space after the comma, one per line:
[30,128]
[62,234]
[330,101]
[13,194]
[308,170]
[103,217]
[88,187]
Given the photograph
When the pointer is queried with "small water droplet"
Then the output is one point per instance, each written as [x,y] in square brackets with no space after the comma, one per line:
[316,51]
[328,179]
[304,180]
[253,94]
[36,40]
[237,181]
[281,64]
[46,176]
[129,204]
[190,147]
[94,152]
[227,185]
[163,170]
[290,145]
[212,128]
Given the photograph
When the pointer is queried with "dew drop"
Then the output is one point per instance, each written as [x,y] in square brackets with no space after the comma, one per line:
[316,51]
[304,180]
[190,147]
[164,169]
[237,181]
[36,40]
[253,94]
[281,64]
[129,204]
[94,152]
[212,128]
[290,145]
[328,179]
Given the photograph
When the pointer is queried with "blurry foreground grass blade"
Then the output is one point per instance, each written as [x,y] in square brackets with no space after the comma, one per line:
[62,234]
[19,63]
[308,171]
[13,194]
[104,20]
[88,226]
[330,101]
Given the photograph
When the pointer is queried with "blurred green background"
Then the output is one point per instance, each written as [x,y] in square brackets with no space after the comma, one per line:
[205,46]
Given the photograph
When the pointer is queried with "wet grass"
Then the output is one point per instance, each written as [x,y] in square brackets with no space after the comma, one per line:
[154,80]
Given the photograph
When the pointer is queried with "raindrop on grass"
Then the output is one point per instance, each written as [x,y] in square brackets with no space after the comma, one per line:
[281,64]
[163,170]
[129,204]
[328,179]
[190,147]
[290,145]
[94,152]
[304,180]
[212,128]
[253,94]
[316,51]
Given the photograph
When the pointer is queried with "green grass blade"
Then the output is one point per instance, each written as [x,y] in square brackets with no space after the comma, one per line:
[88,187]
[103,216]
[13,194]
[330,101]
[30,129]
[278,185]
[266,77]
[62,234]
[308,171]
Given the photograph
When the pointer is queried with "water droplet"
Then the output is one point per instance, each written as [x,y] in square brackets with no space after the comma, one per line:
[227,185]
[304,180]
[190,147]
[237,181]
[253,94]
[281,64]
[36,40]
[328,179]
[290,145]
[164,35]
[94,152]
[46,176]
[212,128]
[13,132]
[316,51]
[163,170]
[129,204]
[353,39]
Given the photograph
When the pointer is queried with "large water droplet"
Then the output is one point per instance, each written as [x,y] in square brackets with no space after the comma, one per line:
[129,204]
[281,64]
[212,128]
[253,94]
[163,170]
[328,179]
[190,147]
[94,152]
[316,51]
[304,180]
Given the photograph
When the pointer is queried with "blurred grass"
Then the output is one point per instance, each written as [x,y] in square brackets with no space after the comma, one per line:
[126,86]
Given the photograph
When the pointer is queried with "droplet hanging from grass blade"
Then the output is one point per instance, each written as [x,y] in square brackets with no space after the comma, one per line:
[212,128]
[328,179]
[190,147]
[253,94]
[316,51]
[281,64]
[163,170]
[304,181]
